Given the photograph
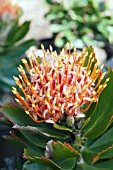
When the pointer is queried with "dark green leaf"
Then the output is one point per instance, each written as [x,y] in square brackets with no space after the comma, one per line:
[66,164]
[106,164]
[19,117]
[13,57]
[16,115]
[84,166]
[103,142]
[61,150]
[19,32]
[14,141]
[33,149]
[38,140]
[102,114]
[62,164]
[104,154]
[40,160]
[33,166]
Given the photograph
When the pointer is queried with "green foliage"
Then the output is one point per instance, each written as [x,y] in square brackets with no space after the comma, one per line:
[17,33]
[12,47]
[8,63]
[30,166]
[81,22]
[99,122]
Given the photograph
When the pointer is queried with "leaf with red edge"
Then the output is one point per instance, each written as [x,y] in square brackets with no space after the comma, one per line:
[65,150]
[18,116]
[104,154]
[56,164]
[40,160]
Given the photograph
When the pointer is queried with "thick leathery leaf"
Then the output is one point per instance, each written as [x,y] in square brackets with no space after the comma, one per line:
[66,164]
[56,126]
[18,116]
[61,150]
[106,164]
[84,166]
[102,114]
[33,166]
[104,154]
[38,140]
[40,160]
[103,142]
[37,151]
[100,148]
[14,141]
[58,164]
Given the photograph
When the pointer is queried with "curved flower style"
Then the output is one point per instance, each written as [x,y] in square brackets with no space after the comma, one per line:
[7,8]
[59,86]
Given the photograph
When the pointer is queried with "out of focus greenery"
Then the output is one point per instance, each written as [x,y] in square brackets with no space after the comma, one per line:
[83,22]
[12,45]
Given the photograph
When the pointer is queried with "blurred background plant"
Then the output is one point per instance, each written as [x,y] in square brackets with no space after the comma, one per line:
[9,14]
[12,45]
[83,22]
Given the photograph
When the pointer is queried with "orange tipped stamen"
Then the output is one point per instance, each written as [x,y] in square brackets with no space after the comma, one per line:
[62,85]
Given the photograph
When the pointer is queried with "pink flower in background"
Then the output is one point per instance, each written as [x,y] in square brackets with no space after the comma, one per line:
[8,10]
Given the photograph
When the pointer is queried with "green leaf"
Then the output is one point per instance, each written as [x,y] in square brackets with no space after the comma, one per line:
[33,166]
[13,57]
[59,42]
[61,150]
[104,154]
[18,32]
[110,30]
[66,164]
[90,110]
[56,126]
[100,27]
[100,148]
[33,149]
[18,116]
[40,160]
[8,63]
[88,155]
[56,28]
[62,164]
[103,142]
[12,31]
[108,153]
[53,133]
[101,117]
[14,141]
[36,139]
[106,164]
[84,166]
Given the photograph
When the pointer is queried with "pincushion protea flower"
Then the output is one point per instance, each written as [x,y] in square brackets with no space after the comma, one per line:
[8,8]
[59,86]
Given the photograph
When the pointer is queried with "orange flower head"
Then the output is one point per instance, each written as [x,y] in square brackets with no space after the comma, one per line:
[7,8]
[60,85]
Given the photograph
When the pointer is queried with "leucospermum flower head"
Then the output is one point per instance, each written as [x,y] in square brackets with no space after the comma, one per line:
[8,9]
[60,85]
